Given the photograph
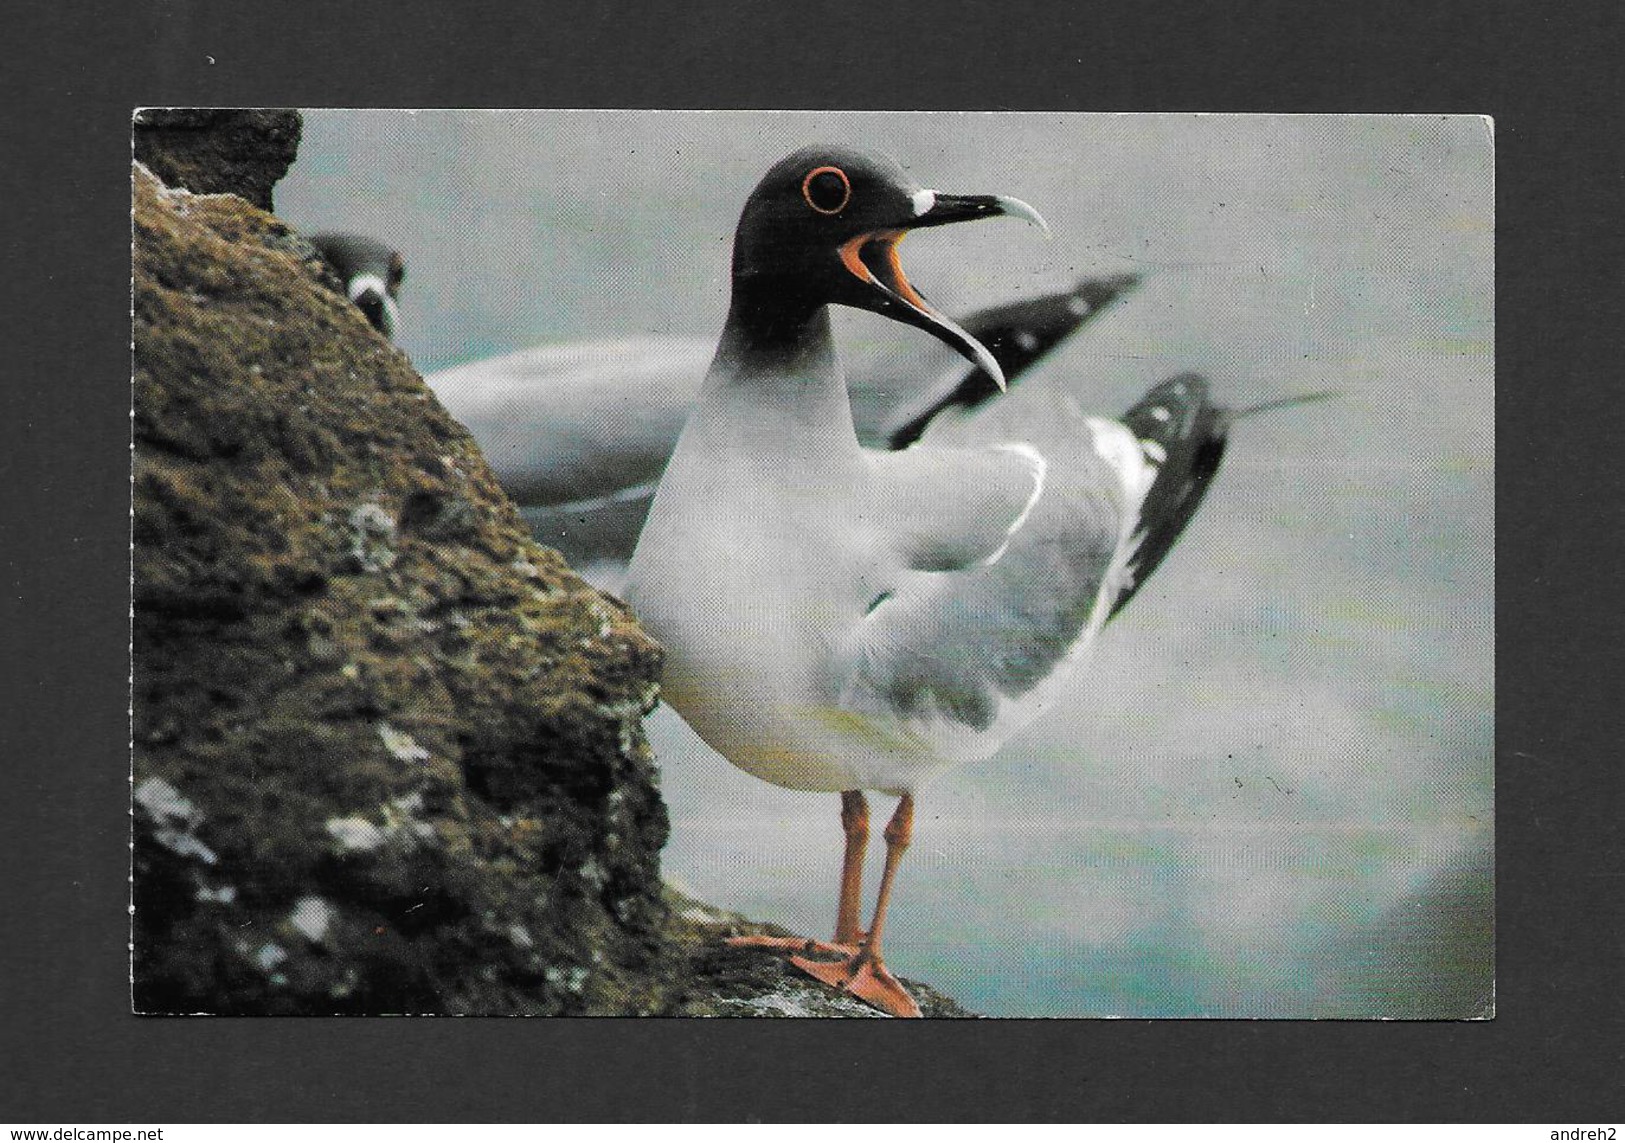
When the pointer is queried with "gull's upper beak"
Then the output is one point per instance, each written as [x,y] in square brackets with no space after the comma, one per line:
[871,258]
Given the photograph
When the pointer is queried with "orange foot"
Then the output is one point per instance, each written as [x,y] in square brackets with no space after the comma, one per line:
[866,977]
[793,945]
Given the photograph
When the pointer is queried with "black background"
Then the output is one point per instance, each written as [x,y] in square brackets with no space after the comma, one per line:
[1547,73]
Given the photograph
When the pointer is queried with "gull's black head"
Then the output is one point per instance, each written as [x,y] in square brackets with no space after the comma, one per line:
[823,226]
[372,274]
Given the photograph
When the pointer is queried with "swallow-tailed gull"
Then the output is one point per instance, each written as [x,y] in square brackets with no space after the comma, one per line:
[843,619]
[578,432]
[372,274]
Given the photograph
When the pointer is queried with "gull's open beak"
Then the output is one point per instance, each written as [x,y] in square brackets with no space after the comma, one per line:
[935,209]
[872,259]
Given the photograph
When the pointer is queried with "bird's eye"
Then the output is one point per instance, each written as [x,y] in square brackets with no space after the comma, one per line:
[397,269]
[826,189]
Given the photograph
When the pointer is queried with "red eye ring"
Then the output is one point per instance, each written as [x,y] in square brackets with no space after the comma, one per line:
[846,188]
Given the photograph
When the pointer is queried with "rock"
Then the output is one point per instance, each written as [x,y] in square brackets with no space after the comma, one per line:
[218,150]
[388,751]
[711,979]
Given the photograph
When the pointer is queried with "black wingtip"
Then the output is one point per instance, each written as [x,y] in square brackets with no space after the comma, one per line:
[1184,434]
[1018,335]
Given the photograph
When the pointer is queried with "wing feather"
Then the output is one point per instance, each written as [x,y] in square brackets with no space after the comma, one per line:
[973,649]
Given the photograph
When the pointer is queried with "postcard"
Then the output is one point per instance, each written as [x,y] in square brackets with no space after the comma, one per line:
[765,564]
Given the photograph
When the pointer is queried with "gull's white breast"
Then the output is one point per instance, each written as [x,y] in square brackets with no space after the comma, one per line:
[751,571]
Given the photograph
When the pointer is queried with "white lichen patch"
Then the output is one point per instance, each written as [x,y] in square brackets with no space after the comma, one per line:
[401,746]
[312,917]
[802,1004]
[628,717]
[207,895]
[573,979]
[520,936]
[355,834]
[177,198]
[270,955]
[606,618]
[401,823]
[175,818]
[594,874]
[401,817]
[164,802]
[627,708]
[372,537]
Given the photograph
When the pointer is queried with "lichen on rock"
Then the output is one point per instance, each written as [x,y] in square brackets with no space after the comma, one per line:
[712,979]
[388,751]
[378,730]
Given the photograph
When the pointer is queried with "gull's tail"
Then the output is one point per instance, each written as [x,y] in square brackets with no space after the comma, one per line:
[1183,433]
[1234,415]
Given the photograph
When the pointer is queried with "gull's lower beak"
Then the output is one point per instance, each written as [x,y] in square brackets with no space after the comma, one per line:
[872,259]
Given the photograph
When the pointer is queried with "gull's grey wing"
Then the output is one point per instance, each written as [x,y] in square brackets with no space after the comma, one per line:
[942,509]
[580,421]
[972,649]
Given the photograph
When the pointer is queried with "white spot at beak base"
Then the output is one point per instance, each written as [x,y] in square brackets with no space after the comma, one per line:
[362,283]
[923,201]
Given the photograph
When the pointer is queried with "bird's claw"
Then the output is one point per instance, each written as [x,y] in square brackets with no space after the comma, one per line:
[853,968]
[801,945]
[865,977]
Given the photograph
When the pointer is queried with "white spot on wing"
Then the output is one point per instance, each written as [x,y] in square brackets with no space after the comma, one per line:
[1120,449]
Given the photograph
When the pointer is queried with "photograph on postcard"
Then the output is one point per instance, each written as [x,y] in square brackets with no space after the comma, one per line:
[828,564]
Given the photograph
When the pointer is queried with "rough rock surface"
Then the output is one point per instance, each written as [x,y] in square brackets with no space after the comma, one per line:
[711,979]
[218,150]
[388,751]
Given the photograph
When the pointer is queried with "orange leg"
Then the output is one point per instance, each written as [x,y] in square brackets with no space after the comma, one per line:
[864,974]
[848,936]
[855,821]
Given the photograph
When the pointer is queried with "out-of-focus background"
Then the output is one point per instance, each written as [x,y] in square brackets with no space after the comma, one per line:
[1271,794]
